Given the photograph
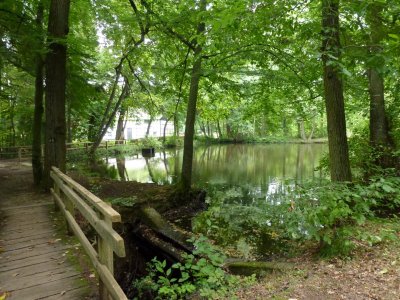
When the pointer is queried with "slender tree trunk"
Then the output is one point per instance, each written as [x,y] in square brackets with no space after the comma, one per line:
[56,59]
[121,168]
[149,126]
[12,123]
[176,125]
[310,136]
[37,166]
[333,90]
[284,127]
[119,134]
[107,120]
[202,128]
[165,129]
[187,161]
[302,130]
[219,130]
[380,138]
[91,133]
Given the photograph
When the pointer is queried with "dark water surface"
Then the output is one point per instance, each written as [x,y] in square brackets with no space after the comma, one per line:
[262,168]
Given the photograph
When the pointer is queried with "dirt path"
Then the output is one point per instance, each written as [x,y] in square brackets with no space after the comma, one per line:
[33,262]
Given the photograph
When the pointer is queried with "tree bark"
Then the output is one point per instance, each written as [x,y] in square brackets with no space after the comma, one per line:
[219,130]
[119,134]
[333,90]
[165,129]
[37,167]
[302,130]
[149,126]
[380,138]
[56,59]
[187,160]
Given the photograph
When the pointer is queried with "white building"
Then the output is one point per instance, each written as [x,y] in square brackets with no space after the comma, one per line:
[135,128]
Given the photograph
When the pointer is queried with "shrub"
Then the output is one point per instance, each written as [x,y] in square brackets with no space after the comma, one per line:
[201,273]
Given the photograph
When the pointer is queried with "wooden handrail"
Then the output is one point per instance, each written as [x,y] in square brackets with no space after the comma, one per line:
[69,196]
[19,151]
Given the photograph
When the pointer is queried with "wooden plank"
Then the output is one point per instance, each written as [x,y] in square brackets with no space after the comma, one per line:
[25,238]
[28,244]
[27,234]
[34,226]
[26,220]
[32,270]
[92,199]
[48,289]
[74,293]
[29,205]
[32,252]
[53,258]
[30,281]
[112,237]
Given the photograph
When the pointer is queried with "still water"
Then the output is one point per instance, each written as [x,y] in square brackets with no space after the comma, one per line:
[262,168]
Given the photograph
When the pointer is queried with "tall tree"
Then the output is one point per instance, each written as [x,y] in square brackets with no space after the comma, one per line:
[378,125]
[333,91]
[37,167]
[56,58]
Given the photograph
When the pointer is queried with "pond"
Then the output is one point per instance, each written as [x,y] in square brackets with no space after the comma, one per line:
[249,206]
[263,169]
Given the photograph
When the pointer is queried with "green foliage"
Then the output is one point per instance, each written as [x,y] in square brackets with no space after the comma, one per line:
[150,142]
[127,202]
[173,141]
[201,273]
[329,214]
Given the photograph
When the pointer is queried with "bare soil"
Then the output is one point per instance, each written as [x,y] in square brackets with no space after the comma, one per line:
[372,272]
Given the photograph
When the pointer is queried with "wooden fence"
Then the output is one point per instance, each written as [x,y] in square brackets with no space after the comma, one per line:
[24,152]
[71,196]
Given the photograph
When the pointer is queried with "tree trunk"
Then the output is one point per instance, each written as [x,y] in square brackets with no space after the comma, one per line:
[186,178]
[176,125]
[333,90]
[310,136]
[302,130]
[203,128]
[219,130]
[165,129]
[56,59]
[107,120]
[119,135]
[187,161]
[37,166]
[379,130]
[228,130]
[148,126]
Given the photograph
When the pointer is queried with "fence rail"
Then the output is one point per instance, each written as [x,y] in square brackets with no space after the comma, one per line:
[71,197]
[24,152]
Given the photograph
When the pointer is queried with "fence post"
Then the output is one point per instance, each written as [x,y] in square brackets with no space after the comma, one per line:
[57,191]
[69,206]
[106,258]
[19,154]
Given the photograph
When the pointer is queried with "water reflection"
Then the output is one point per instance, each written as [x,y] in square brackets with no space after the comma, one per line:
[263,169]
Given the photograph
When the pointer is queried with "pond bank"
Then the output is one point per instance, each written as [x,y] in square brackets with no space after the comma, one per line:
[372,272]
